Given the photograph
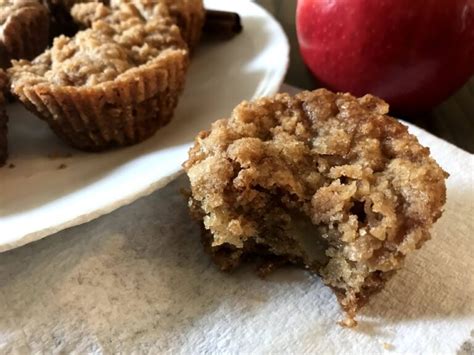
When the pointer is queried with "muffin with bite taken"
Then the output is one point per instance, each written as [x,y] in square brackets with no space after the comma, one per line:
[322,180]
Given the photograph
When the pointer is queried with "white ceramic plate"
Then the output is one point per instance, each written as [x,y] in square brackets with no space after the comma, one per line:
[47,191]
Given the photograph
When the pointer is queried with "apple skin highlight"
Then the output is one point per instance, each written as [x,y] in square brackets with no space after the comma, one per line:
[413,54]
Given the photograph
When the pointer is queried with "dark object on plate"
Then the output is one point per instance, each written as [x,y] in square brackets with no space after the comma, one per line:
[222,24]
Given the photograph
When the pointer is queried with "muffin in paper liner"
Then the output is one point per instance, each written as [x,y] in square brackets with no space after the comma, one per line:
[24,30]
[3,119]
[111,85]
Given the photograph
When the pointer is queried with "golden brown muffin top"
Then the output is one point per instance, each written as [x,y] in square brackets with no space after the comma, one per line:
[279,138]
[119,39]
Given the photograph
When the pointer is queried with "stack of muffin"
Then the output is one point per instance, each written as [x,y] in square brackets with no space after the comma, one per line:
[115,81]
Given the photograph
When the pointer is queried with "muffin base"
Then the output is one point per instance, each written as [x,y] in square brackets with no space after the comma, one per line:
[117,113]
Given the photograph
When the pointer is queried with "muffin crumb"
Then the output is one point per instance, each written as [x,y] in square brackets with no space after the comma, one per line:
[348,323]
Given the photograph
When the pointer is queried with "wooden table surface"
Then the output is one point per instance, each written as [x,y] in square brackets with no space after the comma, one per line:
[453,120]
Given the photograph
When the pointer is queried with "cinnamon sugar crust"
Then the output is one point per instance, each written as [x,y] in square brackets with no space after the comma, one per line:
[327,181]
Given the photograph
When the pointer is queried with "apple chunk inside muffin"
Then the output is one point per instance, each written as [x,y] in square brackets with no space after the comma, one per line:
[323,180]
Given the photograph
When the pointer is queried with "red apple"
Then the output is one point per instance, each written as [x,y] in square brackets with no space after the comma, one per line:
[412,53]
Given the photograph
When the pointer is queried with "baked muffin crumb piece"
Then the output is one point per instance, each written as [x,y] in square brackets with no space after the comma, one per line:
[326,181]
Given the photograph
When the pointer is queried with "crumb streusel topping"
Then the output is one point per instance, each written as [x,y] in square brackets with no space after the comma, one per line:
[324,170]
[118,40]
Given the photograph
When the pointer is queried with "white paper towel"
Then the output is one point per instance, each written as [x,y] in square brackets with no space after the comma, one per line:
[138,280]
